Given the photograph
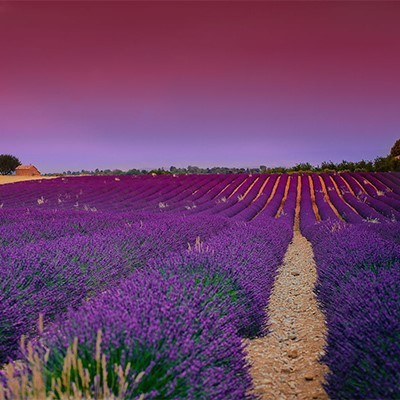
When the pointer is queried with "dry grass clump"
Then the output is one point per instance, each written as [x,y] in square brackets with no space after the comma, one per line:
[32,379]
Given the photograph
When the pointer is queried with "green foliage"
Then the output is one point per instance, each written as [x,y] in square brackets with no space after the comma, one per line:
[385,164]
[159,171]
[328,166]
[381,164]
[302,167]
[395,150]
[133,171]
[111,372]
[8,164]
[277,170]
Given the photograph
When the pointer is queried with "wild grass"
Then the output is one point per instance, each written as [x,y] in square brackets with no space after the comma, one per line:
[33,378]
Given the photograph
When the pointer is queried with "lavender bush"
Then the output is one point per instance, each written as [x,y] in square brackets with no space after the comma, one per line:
[175,270]
[50,275]
[174,334]
[358,288]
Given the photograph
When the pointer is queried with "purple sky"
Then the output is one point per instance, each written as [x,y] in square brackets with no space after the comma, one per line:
[87,85]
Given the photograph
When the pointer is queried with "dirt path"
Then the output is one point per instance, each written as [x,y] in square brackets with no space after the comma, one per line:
[285,362]
[4,179]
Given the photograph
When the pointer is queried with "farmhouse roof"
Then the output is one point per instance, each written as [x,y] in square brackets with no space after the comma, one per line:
[26,166]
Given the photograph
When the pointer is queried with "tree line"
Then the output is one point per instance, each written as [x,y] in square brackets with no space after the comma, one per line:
[391,162]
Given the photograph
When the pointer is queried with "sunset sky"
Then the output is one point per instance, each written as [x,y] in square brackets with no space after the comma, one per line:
[87,85]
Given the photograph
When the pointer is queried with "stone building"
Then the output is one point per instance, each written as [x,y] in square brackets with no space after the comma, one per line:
[27,170]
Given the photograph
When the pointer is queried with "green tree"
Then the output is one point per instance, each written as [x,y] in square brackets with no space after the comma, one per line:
[328,165]
[8,164]
[395,151]
[133,171]
[192,169]
[303,167]
[382,164]
[159,171]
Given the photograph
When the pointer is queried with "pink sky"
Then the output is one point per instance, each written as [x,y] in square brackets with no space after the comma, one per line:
[149,84]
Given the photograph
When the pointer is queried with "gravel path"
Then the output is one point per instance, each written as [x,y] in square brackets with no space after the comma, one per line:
[285,362]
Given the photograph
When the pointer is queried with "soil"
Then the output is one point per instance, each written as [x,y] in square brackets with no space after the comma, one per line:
[271,196]
[313,201]
[285,363]
[12,178]
[339,192]
[285,195]
[327,198]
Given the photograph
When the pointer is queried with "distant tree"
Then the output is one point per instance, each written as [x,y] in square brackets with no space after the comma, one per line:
[346,165]
[192,169]
[364,166]
[385,164]
[382,164]
[277,170]
[328,165]
[159,171]
[133,171]
[8,164]
[302,167]
[395,151]
[395,164]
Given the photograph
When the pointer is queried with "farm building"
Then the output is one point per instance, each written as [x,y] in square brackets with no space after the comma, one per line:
[27,170]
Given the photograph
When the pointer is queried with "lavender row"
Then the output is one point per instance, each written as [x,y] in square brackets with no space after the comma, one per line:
[365,211]
[205,199]
[324,208]
[307,215]
[232,195]
[54,224]
[179,337]
[257,205]
[102,193]
[241,199]
[246,198]
[174,193]
[375,203]
[377,190]
[188,310]
[381,200]
[272,207]
[51,275]
[228,197]
[387,179]
[289,208]
[359,290]
[184,199]
[346,210]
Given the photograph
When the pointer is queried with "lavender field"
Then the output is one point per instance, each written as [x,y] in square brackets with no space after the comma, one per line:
[148,287]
